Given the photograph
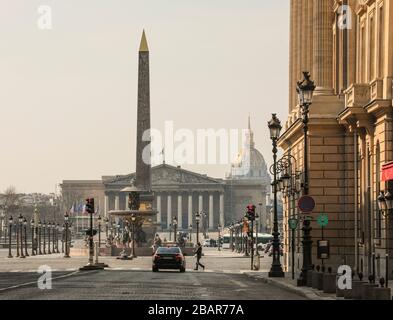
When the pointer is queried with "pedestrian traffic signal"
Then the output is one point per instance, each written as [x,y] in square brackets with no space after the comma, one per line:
[90,205]
[251,212]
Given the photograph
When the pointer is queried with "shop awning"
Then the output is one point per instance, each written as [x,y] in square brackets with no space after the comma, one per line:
[387,172]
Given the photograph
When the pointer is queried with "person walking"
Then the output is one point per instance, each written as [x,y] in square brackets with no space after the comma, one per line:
[198,253]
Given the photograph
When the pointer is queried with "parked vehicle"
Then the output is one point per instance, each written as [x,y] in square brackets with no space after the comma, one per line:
[169,258]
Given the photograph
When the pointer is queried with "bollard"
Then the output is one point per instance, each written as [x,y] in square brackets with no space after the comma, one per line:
[314,281]
[320,279]
[329,283]
[382,293]
[357,286]
[257,263]
[309,278]
[367,291]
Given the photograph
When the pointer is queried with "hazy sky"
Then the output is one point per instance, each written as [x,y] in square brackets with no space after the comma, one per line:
[68,95]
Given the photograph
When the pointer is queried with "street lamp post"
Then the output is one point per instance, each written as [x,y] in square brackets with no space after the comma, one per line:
[66,217]
[197,220]
[20,220]
[385,204]
[219,237]
[25,230]
[16,231]
[305,90]
[106,220]
[2,217]
[44,235]
[62,237]
[190,232]
[33,253]
[39,237]
[53,237]
[276,270]
[10,222]
[99,231]
[170,232]
[57,238]
[49,225]
[175,229]
[133,221]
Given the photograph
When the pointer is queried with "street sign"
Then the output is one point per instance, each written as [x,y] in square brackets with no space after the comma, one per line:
[306,204]
[323,220]
[293,223]
[323,249]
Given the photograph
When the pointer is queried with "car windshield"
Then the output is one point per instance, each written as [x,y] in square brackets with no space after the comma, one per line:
[168,250]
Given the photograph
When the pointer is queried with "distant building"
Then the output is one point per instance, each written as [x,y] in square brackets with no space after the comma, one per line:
[181,193]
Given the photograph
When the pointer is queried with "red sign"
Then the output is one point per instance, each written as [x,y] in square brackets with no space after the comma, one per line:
[306,204]
[387,172]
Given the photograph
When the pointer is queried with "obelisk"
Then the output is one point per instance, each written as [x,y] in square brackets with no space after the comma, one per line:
[143,156]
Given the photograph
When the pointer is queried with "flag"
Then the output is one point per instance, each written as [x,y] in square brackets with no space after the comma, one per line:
[72,210]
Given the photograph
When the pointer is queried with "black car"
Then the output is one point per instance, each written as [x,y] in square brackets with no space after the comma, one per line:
[169,258]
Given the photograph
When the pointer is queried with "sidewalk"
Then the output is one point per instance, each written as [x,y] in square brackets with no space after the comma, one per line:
[290,285]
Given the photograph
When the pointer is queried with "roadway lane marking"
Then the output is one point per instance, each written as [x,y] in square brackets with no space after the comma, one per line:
[35,282]
[238,283]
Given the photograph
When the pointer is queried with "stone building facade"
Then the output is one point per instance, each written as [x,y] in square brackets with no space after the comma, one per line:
[347,46]
[181,193]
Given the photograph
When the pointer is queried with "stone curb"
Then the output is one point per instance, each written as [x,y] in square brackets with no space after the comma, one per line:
[304,292]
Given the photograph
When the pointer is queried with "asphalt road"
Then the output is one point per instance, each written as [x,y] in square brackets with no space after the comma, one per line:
[140,285]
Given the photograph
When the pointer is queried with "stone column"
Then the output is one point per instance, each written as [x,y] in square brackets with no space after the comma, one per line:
[117,202]
[169,210]
[222,216]
[126,202]
[200,205]
[323,47]
[106,205]
[211,211]
[180,211]
[159,214]
[190,215]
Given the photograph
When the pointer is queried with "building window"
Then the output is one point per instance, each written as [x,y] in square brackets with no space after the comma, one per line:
[381,41]
[372,47]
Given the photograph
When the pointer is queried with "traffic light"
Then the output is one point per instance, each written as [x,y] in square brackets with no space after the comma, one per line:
[251,212]
[90,205]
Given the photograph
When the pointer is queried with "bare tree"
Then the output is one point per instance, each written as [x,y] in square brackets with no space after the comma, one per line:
[11,200]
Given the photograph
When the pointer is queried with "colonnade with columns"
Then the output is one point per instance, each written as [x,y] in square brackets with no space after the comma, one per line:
[182,204]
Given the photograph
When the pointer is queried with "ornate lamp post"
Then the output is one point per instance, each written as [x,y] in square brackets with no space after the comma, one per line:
[25,231]
[44,235]
[190,232]
[20,220]
[53,227]
[49,226]
[2,217]
[62,237]
[276,270]
[305,90]
[133,221]
[385,204]
[174,229]
[57,238]
[67,252]
[10,222]
[32,230]
[99,231]
[106,220]
[39,237]
[219,237]
[197,219]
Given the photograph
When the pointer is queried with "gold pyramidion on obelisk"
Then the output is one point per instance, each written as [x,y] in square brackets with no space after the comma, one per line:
[143,46]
